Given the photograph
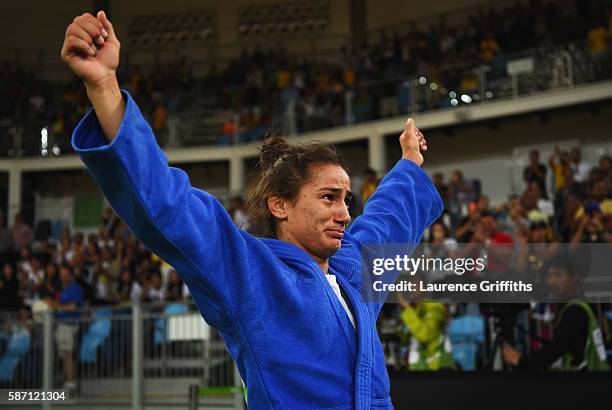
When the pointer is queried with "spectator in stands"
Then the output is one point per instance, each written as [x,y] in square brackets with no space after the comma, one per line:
[605,164]
[513,218]
[28,291]
[109,222]
[71,299]
[50,291]
[467,226]
[543,205]
[438,180]
[159,121]
[175,288]
[535,248]
[236,212]
[9,288]
[536,172]
[128,290]
[154,289]
[558,162]
[597,40]
[370,182]
[103,286]
[36,275]
[489,48]
[483,204]
[461,192]
[21,233]
[577,342]
[91,254]
[581,170]
[591,227]
[440,244]
[494,242]
[600,193]
[425,325]
[6,242]
[83,275]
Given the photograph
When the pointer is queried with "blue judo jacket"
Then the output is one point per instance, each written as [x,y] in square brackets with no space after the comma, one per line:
[293,343]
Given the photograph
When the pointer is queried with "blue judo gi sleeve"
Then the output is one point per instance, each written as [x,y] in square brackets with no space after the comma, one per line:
[405,203]
[185,226]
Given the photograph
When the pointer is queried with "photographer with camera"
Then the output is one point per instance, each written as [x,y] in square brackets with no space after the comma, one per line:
[577,343]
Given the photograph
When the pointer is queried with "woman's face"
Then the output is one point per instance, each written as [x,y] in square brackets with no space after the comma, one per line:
[173,277]
[7,269]
[51,270]
[438,232]
[539,234]
[316,220]
[126,276]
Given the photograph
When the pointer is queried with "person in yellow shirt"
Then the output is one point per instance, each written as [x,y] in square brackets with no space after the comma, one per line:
[370,183]
[425,322]
[489,48]
[597,40]
[557,162]
[600,200]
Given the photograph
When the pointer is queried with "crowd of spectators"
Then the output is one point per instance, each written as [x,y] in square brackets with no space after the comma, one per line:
[110,268]
[568,200]
[271,87]
[569,196]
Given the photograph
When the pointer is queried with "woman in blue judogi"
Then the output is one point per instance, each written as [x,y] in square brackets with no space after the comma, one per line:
[287,303]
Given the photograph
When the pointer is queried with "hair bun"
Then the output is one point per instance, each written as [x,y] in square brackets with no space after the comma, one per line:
[273,149]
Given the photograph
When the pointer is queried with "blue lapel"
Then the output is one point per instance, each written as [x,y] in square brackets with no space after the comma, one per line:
[365,350]
[363,318]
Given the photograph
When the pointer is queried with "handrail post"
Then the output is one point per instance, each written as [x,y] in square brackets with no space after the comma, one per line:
[47,380]
[137,347]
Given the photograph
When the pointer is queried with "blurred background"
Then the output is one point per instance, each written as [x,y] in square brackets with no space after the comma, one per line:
[514,97]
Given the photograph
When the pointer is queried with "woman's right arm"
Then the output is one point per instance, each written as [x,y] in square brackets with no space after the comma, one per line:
[185,226]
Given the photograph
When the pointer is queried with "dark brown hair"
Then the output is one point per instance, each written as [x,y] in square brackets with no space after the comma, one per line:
[282,169]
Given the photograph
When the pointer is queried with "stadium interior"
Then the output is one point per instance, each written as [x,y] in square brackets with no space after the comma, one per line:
[514,97]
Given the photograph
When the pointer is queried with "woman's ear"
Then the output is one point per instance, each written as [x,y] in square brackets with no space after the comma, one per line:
[278,207]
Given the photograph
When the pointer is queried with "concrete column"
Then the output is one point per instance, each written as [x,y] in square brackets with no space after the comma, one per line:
[236,175]
[377,156]
[14,195]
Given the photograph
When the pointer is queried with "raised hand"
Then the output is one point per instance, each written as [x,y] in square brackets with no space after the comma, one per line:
[413,143]
[91,48]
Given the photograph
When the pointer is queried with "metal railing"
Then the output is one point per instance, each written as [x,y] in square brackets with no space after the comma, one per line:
[507,76]
[127,356]
[136,356]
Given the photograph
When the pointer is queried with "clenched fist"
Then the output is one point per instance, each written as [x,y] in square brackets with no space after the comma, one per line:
[91,49]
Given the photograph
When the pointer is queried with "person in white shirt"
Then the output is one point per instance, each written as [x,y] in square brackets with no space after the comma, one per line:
[582,169]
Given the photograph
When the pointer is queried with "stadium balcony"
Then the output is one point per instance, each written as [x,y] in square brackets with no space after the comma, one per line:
[530,82]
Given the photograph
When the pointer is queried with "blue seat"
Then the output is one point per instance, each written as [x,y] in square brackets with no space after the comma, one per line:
[466,334]
[97,333]
[18,346]
[160,333]
[608,315]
